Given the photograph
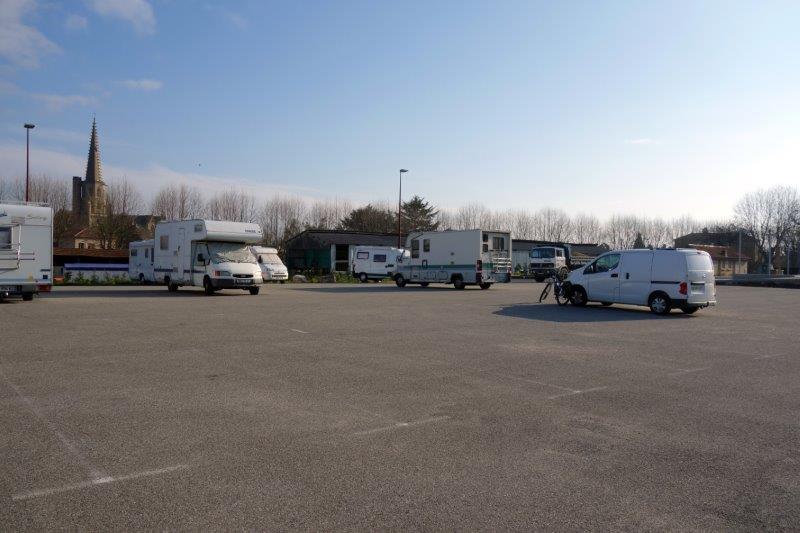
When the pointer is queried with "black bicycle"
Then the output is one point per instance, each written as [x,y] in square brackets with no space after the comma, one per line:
[560,290]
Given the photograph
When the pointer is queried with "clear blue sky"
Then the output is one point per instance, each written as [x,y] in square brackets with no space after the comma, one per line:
[644,108]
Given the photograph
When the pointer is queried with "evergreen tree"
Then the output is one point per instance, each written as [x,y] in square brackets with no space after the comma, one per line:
[370,218]
[419,215]
[639,242]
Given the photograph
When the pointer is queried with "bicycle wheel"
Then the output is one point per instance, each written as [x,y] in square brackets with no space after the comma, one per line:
[545,292]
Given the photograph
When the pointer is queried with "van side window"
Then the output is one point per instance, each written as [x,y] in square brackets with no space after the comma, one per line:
[379,258]
[415,249]
[362,255]
[426,245]
[606,263]
[164,242]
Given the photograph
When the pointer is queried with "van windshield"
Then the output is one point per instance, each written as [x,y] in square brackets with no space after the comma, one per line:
[543,253]
[230,252]
[271,259]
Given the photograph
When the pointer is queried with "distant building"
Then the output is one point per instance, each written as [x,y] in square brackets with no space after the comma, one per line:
[725,239]
[327,251]
[89,194]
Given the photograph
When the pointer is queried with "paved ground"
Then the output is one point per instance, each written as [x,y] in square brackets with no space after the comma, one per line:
[371,407]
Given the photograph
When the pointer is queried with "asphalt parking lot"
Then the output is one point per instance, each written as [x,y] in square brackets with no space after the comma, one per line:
[372,407]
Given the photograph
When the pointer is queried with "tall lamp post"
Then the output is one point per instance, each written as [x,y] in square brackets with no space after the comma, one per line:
[399,204]
[28,128]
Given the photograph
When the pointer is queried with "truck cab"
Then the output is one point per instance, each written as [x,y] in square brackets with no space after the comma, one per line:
[547,261]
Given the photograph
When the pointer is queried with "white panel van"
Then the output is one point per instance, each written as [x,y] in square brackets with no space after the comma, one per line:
[660,279]
[374,262]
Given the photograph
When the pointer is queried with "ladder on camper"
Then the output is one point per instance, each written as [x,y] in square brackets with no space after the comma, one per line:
[501,262]
[11,253]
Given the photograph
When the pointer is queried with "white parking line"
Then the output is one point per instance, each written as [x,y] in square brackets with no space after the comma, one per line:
[300,331]
[688,371]
[400,425]
[767,356]
[38,493]
[573,393]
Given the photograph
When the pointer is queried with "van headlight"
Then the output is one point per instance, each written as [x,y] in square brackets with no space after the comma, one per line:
[222,274]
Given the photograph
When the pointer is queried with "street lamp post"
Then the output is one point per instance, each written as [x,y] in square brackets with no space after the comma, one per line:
[28,128]
[399,204]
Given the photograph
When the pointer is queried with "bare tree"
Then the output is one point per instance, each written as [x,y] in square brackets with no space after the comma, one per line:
[586,228]
[553,224]
[236,206]
[178,202]
[281,218]
[770,216]
[116,227]
[327,214]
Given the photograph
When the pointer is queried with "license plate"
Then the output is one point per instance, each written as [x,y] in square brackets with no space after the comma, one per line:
[244,281]
[698,288]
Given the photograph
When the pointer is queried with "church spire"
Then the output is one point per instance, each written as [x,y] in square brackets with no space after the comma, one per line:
[93,171]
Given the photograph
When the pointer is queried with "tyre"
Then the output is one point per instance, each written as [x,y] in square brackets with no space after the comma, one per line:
[689,309]
[659,303]
[578,297]
[282,282]
[141,279]
[363,277]
[27,296]
[208,287]
[485,286]
[254,290]
[458,283]
[605,304]
[424,284]
[171,287]
[400,281]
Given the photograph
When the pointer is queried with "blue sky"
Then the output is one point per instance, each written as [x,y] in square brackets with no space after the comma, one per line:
[642,108]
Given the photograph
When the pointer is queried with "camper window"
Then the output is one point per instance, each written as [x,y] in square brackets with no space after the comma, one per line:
[498,243]
[485,247]
[134,252]
[5,238]
[426,245]
[379,258]
[362,255]
[165,242]
[485,237]
[415,249]
[146,253]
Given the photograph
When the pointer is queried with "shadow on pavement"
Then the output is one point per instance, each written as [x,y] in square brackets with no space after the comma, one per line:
[141,293]
[590,313]
[383,288]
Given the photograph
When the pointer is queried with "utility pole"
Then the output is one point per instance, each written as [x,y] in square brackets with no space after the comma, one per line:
[399,208]
[28,128]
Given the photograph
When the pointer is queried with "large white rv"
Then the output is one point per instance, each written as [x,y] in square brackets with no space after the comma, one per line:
[374,262]
[211,254]
[26,249]
[469,257]
[140,261]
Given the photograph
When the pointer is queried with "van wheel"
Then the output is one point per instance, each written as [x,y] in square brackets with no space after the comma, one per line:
[363,277]
[400,280]
[207,286]
[578,297]
[485,286]
[689,309]
[659,303]
[254,290]
[27,296]
[458,283]
[424,284]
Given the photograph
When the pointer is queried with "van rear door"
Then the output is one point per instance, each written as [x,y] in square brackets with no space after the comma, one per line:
[701,281]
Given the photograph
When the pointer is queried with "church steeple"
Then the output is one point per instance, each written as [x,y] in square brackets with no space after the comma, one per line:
[93,171]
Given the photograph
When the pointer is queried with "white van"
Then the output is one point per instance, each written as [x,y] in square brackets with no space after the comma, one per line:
[660,279]
[468,257]
[140,261]
[211,254]
[374,262]
[26,249]
[272,268]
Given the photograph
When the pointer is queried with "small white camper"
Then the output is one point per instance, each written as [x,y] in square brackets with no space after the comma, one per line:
[140,261]
[374,262]
[26,249]
[211,254]
[272,268]
[469,257]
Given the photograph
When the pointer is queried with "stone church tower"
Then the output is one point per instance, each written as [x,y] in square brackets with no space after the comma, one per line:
[89,194]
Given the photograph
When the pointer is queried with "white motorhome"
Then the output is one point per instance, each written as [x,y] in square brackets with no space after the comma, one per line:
[468,257]
[272,268]
[141,260]
[211,254]
[661,279]
[374,262]
[26,249]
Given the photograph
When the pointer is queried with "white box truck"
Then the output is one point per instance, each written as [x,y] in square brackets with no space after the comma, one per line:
[140,261]
[211,254]
[272,268]
[374,262]
[661,279]
[468,257]
[26,249]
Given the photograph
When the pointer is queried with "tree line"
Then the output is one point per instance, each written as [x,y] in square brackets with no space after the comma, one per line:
[771,217]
